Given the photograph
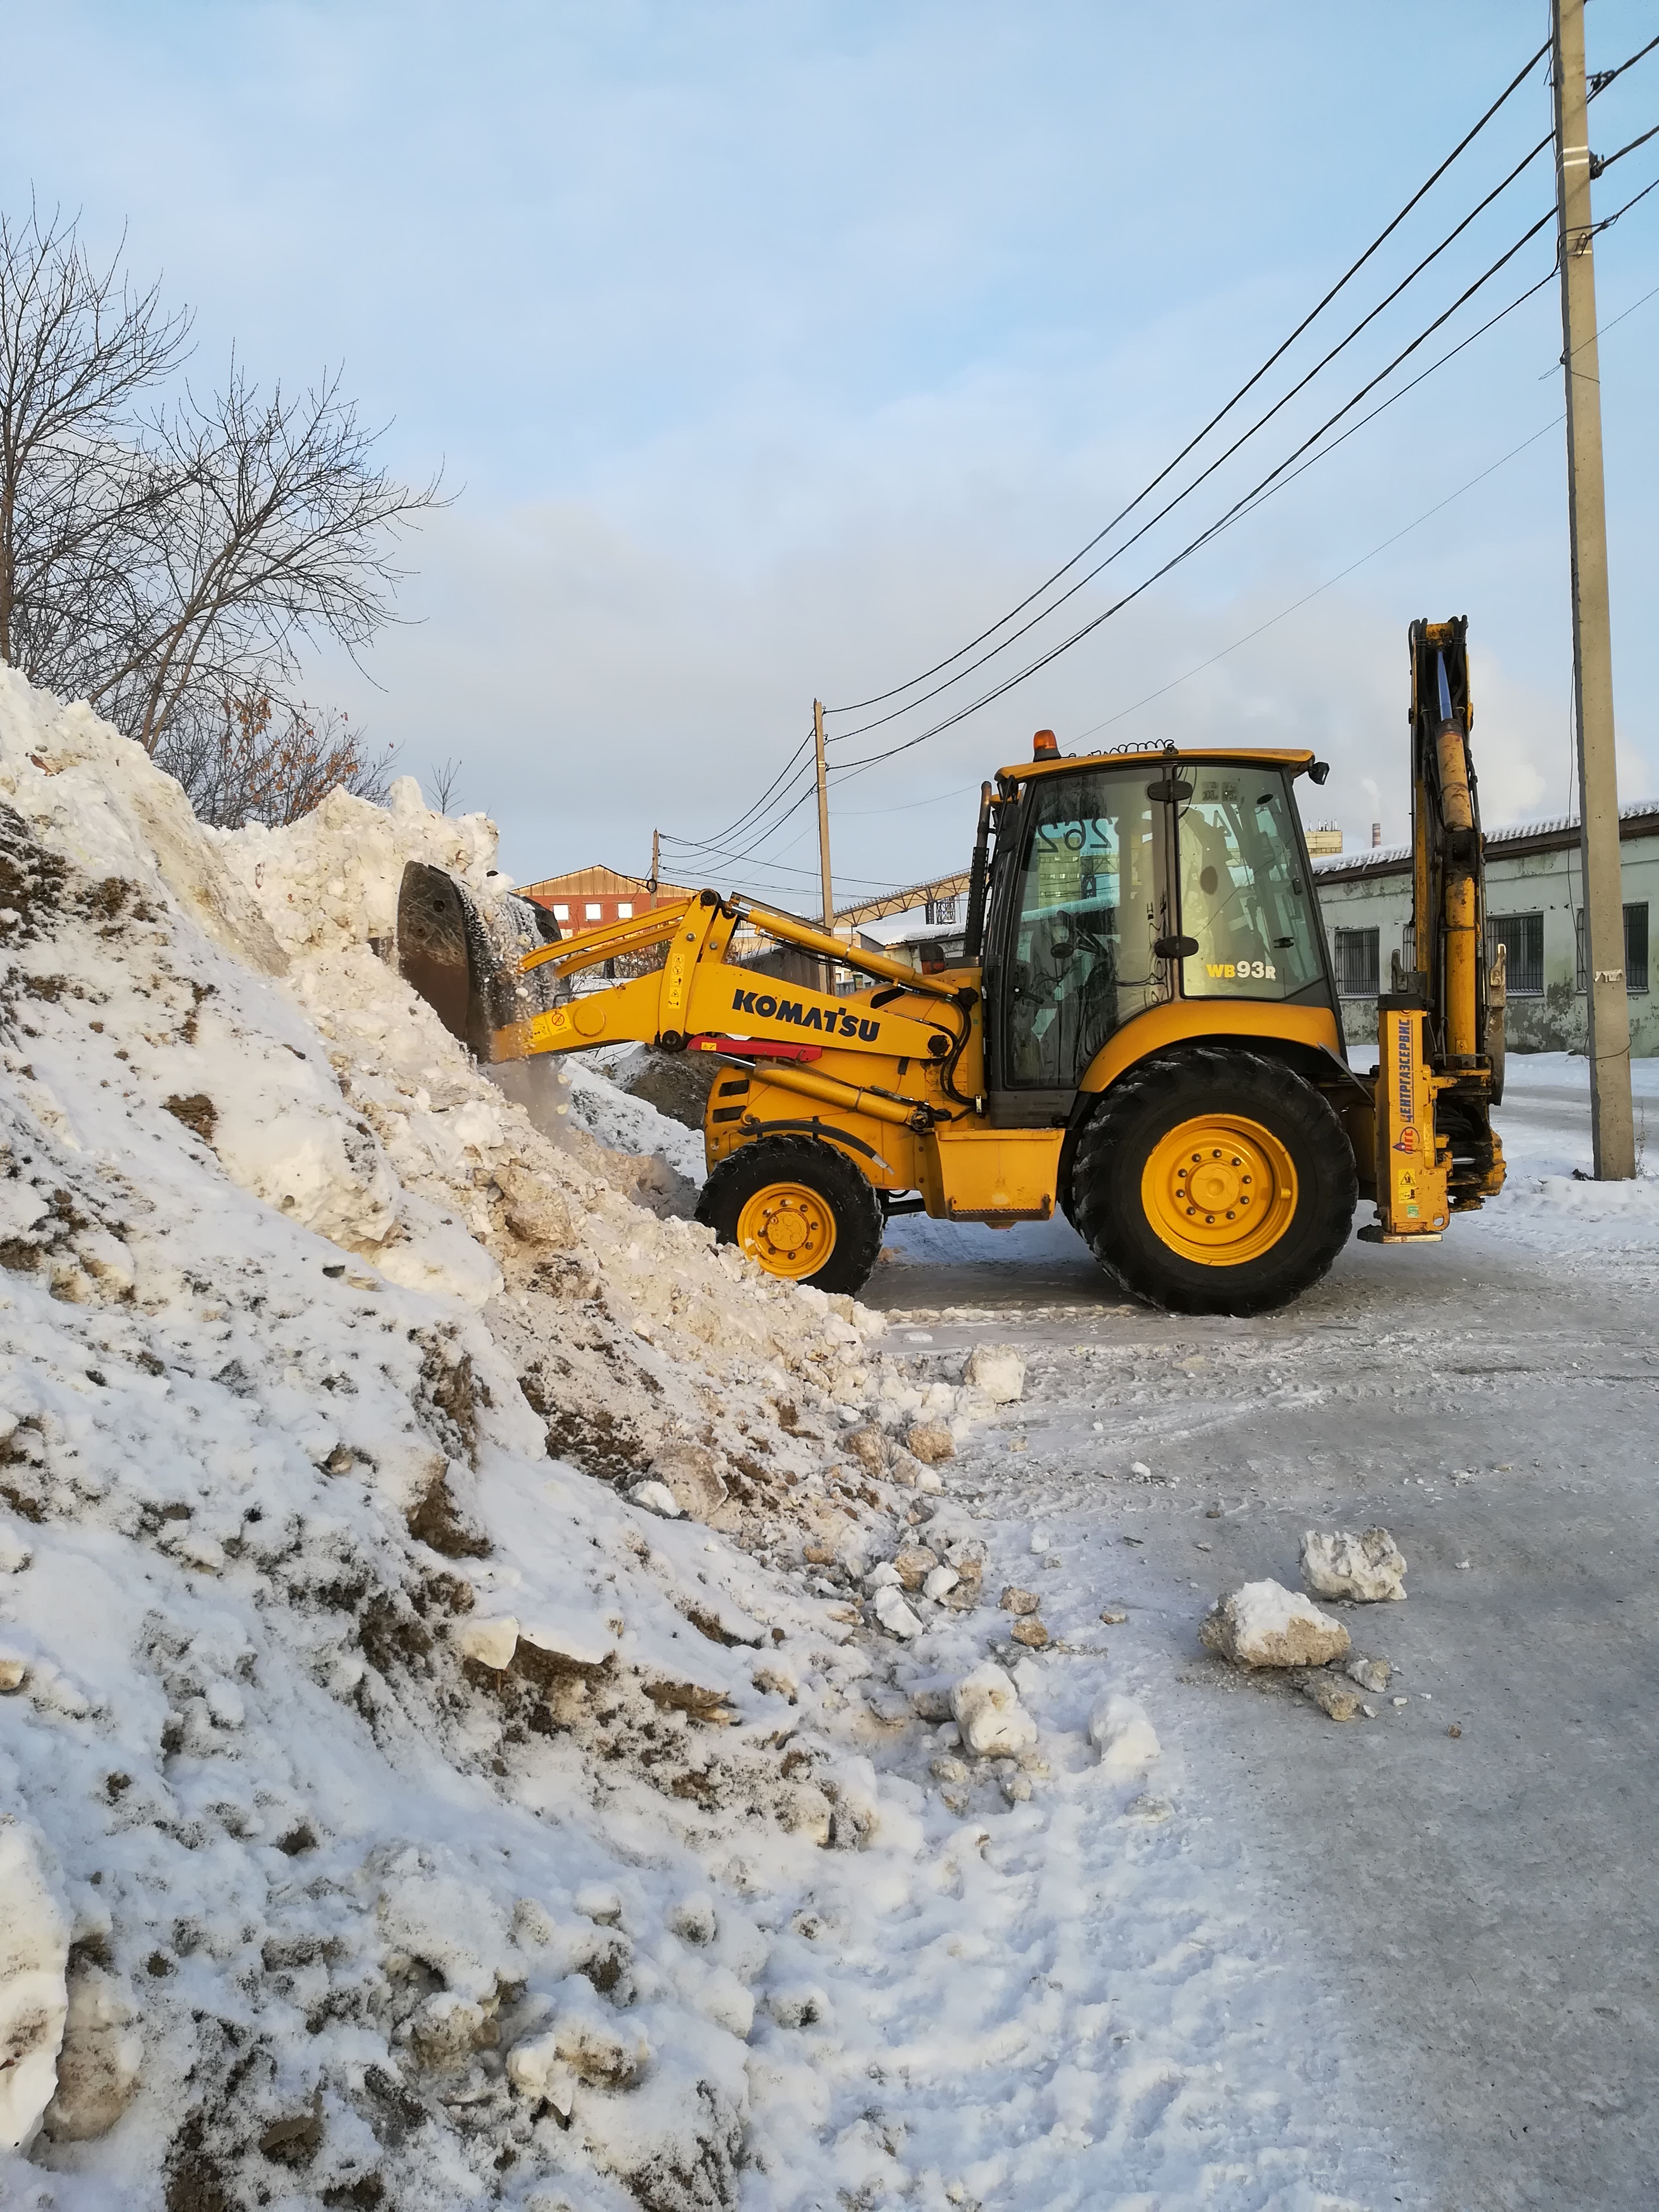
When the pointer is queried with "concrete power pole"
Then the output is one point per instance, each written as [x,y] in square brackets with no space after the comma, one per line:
[1612,1121]
[823,816]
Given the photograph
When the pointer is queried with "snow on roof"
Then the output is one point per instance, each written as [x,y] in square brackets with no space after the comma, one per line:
[1386,857]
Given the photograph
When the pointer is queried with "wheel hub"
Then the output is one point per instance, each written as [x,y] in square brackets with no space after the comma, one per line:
[1220,1189]
[788,1228]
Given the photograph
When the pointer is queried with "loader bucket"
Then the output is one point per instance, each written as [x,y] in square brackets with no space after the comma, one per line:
[463,960]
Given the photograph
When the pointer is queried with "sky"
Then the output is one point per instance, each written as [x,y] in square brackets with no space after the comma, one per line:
[772,351]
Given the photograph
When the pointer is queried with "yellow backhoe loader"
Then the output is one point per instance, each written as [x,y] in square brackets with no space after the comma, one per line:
[1144,1031]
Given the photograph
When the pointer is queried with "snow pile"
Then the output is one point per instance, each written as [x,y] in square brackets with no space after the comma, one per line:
[356,1739]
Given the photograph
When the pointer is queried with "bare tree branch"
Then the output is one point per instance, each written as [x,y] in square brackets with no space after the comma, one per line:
[260,759]
[172,561]
[444,780]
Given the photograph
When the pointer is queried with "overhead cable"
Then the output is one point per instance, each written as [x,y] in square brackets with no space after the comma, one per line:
[1250,498]
[1607,220]
[1220,460]
[878,698]
[1603,78]
[733,827]
[1601,163]
[1329,584]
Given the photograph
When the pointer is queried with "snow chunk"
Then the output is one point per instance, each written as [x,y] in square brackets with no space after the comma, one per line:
[34,1941]
[491,1642]
[997,1372]
[1265,1624]
[1125,1738]
[656,1497]
[1368,1567]
[98,2066]
[583,1642]
[894,1614]
[988,1711]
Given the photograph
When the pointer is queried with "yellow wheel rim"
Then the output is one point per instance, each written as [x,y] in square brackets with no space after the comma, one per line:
[788,1227]
[1220,1189]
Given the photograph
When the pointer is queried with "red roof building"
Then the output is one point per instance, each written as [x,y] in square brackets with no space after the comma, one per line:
[585,897]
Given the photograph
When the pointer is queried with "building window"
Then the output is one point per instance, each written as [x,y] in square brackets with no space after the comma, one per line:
[1521,936]
[561,913]
[941,909]
[1636,947]
[592,910]
[625,910]
[1356,958]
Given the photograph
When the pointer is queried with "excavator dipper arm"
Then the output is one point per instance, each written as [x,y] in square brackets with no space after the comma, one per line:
[1440,1030]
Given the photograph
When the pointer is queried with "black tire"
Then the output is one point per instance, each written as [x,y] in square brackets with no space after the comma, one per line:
[852,1202]
[1139,1115]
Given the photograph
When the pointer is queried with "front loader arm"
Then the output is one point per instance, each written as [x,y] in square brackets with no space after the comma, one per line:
[699,998]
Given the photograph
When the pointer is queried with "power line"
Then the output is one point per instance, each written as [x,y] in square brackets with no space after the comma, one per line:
[1329,583]
[1220,460]
[938,797]
[878,698]
[1603,78]
[1607,220]
[733,828]
[1250,498]
[1602,163]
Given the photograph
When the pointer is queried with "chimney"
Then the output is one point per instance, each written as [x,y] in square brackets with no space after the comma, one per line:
[1376,833]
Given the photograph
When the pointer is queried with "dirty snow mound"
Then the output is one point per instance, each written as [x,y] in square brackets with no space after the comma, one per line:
[363,1740]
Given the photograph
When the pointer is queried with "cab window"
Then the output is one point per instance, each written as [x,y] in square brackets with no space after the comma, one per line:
[1245,895]
[1084,923]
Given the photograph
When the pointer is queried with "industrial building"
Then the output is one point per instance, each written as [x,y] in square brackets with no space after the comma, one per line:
[1534,908]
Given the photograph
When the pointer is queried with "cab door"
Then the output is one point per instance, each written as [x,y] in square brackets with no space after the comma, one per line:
[1082,902]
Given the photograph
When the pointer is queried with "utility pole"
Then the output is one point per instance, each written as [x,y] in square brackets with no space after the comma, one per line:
[826,968]
[656,841]
[1612,1120]
[823,816]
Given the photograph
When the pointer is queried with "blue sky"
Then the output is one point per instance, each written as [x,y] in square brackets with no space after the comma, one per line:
[773,349]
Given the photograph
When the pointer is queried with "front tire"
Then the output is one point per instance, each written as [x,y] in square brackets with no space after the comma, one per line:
[798,1208]
[1214,1182]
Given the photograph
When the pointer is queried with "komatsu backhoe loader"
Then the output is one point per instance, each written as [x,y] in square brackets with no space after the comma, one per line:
[1144,1031]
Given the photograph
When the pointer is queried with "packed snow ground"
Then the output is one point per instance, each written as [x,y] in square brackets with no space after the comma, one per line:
[1465,1877]
[394,1813]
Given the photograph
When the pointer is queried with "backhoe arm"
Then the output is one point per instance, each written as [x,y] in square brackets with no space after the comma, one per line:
[1440,1028]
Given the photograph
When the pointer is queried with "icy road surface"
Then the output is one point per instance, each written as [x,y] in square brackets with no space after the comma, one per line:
[1467,1878]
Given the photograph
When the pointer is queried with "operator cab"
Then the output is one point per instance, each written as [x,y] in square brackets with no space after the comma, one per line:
[1123,881]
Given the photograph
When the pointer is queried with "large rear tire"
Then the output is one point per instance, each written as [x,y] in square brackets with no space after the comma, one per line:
[1214,1182]
[798,1208]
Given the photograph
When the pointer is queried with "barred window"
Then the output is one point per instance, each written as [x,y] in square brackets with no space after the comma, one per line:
[1358,956]
[1636,947]
[1521,936]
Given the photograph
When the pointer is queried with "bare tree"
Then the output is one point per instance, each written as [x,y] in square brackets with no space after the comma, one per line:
[78,347]
[169,560]
[258,760]
[444,780]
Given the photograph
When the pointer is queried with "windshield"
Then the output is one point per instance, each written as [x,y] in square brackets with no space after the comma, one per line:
[1245,896]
